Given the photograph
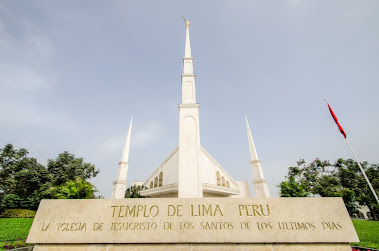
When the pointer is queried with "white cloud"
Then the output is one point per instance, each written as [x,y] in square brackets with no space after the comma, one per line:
[21,77]
[20,58]
[295,3]
[39,45]
[24,74]
[146,134]
[113,144]
[23,113]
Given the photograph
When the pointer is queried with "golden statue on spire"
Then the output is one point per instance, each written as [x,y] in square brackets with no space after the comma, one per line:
[187,22]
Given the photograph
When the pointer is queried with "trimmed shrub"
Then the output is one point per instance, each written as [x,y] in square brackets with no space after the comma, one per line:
[11,201]
[30,203]
[18,213]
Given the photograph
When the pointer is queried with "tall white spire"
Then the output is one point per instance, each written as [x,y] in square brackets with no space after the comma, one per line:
[253,152]
[189,185]
[125,152]
[188,77]
[259,182]
[119,186]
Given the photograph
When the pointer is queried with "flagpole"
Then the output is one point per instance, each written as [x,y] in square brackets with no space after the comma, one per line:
[364,174]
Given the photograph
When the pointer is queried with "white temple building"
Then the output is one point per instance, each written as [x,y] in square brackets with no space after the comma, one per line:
[189,171]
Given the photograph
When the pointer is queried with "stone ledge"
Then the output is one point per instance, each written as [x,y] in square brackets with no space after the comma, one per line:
[160,190]
[194,247]
[219,189]
[189,105]
[123,162]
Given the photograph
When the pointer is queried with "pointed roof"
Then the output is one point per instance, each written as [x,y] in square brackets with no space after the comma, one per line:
[125,152]
[253,151]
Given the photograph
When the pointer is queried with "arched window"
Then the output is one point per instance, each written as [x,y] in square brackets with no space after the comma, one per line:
[156,182]
[227,184]
[218,179]
[223,181]
[160,179]
[151,184]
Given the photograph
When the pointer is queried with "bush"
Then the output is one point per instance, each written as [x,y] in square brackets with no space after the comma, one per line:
[11,201]
[18,213]
[30,203]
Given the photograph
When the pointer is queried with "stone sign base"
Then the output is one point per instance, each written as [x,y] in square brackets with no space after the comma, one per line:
[272,224]
[194,247]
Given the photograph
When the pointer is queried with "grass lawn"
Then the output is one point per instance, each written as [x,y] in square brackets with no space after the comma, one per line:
[368,232]
[12,230]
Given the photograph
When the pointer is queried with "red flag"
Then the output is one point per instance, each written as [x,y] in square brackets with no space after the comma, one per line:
[336,120]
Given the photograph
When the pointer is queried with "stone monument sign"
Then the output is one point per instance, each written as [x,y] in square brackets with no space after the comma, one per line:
[222,222]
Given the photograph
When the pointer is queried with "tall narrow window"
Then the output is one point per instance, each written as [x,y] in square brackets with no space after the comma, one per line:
[156,182]
[227,184]
[160,179]
[218,179]
[151,184]
[223,181]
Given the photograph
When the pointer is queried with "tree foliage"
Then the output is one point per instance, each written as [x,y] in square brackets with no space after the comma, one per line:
[341,179]
[134,192]
[21,176]
[292,188]
[74,189]
[66,167]
[351,178]
[24,181]
[11,201]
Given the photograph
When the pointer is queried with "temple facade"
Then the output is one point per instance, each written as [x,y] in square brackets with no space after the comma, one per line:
[189,171]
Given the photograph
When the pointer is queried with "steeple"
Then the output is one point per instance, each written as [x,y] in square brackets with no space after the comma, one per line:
[189,185]
[253,152]
[188,77]
[119,186]
[125,152]
[259,182]
[190,171]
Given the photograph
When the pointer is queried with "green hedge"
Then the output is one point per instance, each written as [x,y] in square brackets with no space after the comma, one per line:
[18,213]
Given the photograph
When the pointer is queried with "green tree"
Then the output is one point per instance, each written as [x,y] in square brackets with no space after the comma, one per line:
[341,179]
[9,165]
[66,167]
[11,201]
[134,192]
[352,179]
[74,189]
[292,188]
[22,176]
[317,177]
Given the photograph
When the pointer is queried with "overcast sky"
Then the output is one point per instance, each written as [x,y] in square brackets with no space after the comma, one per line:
[73,73]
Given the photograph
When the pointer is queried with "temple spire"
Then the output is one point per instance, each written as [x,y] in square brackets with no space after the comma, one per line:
[189,177]
[125,152]
[119,186]
[259,182]
[253,151]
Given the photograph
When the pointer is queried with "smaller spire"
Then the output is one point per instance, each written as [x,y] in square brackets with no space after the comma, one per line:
[253,151]
[187,53]
[125,153]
